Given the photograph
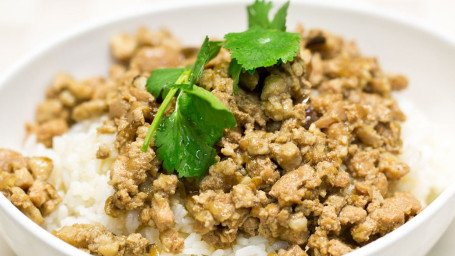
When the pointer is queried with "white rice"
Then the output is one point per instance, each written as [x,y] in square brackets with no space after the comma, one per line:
[82,182]
[79,176]
[427,151]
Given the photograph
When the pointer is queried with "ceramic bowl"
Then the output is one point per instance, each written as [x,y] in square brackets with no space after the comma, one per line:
[425,56]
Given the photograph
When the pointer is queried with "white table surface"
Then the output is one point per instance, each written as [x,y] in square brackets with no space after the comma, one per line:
[26,24]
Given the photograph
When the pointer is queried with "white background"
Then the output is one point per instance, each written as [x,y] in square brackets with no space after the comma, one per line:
[27,24]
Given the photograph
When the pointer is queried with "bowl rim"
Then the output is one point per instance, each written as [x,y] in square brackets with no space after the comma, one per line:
[348,6]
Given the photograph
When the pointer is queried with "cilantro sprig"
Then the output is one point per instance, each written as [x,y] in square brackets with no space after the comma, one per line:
[185,139]
[264,44]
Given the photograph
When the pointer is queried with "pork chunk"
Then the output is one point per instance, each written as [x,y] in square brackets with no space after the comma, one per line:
[97,240]
[47,130]
[161,212]
[287,155]
[292,187]
[171,241]
[23,181]
[294,250]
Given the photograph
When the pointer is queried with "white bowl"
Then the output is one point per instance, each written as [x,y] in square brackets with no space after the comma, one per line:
[425,56]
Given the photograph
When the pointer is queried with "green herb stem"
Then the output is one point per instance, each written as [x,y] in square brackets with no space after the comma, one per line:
[183,78]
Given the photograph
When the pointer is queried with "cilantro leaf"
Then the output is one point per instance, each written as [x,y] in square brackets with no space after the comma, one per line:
[183,78]
[215,47]
[259,47]
[160,79]
[184,144]
[217,116]
[181,145]
[258,14]
[279,21]
[208,51]
[201,59]
[264,44]
[234,71]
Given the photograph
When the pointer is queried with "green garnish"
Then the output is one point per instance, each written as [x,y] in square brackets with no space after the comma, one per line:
[208,51]
[185,139]
[158,83]
[264,44]
[248,47]
[234,71]
[258,16]
[184,77]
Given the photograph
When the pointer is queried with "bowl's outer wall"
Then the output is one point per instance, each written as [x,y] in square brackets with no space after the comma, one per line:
[426,59]
[27,238]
